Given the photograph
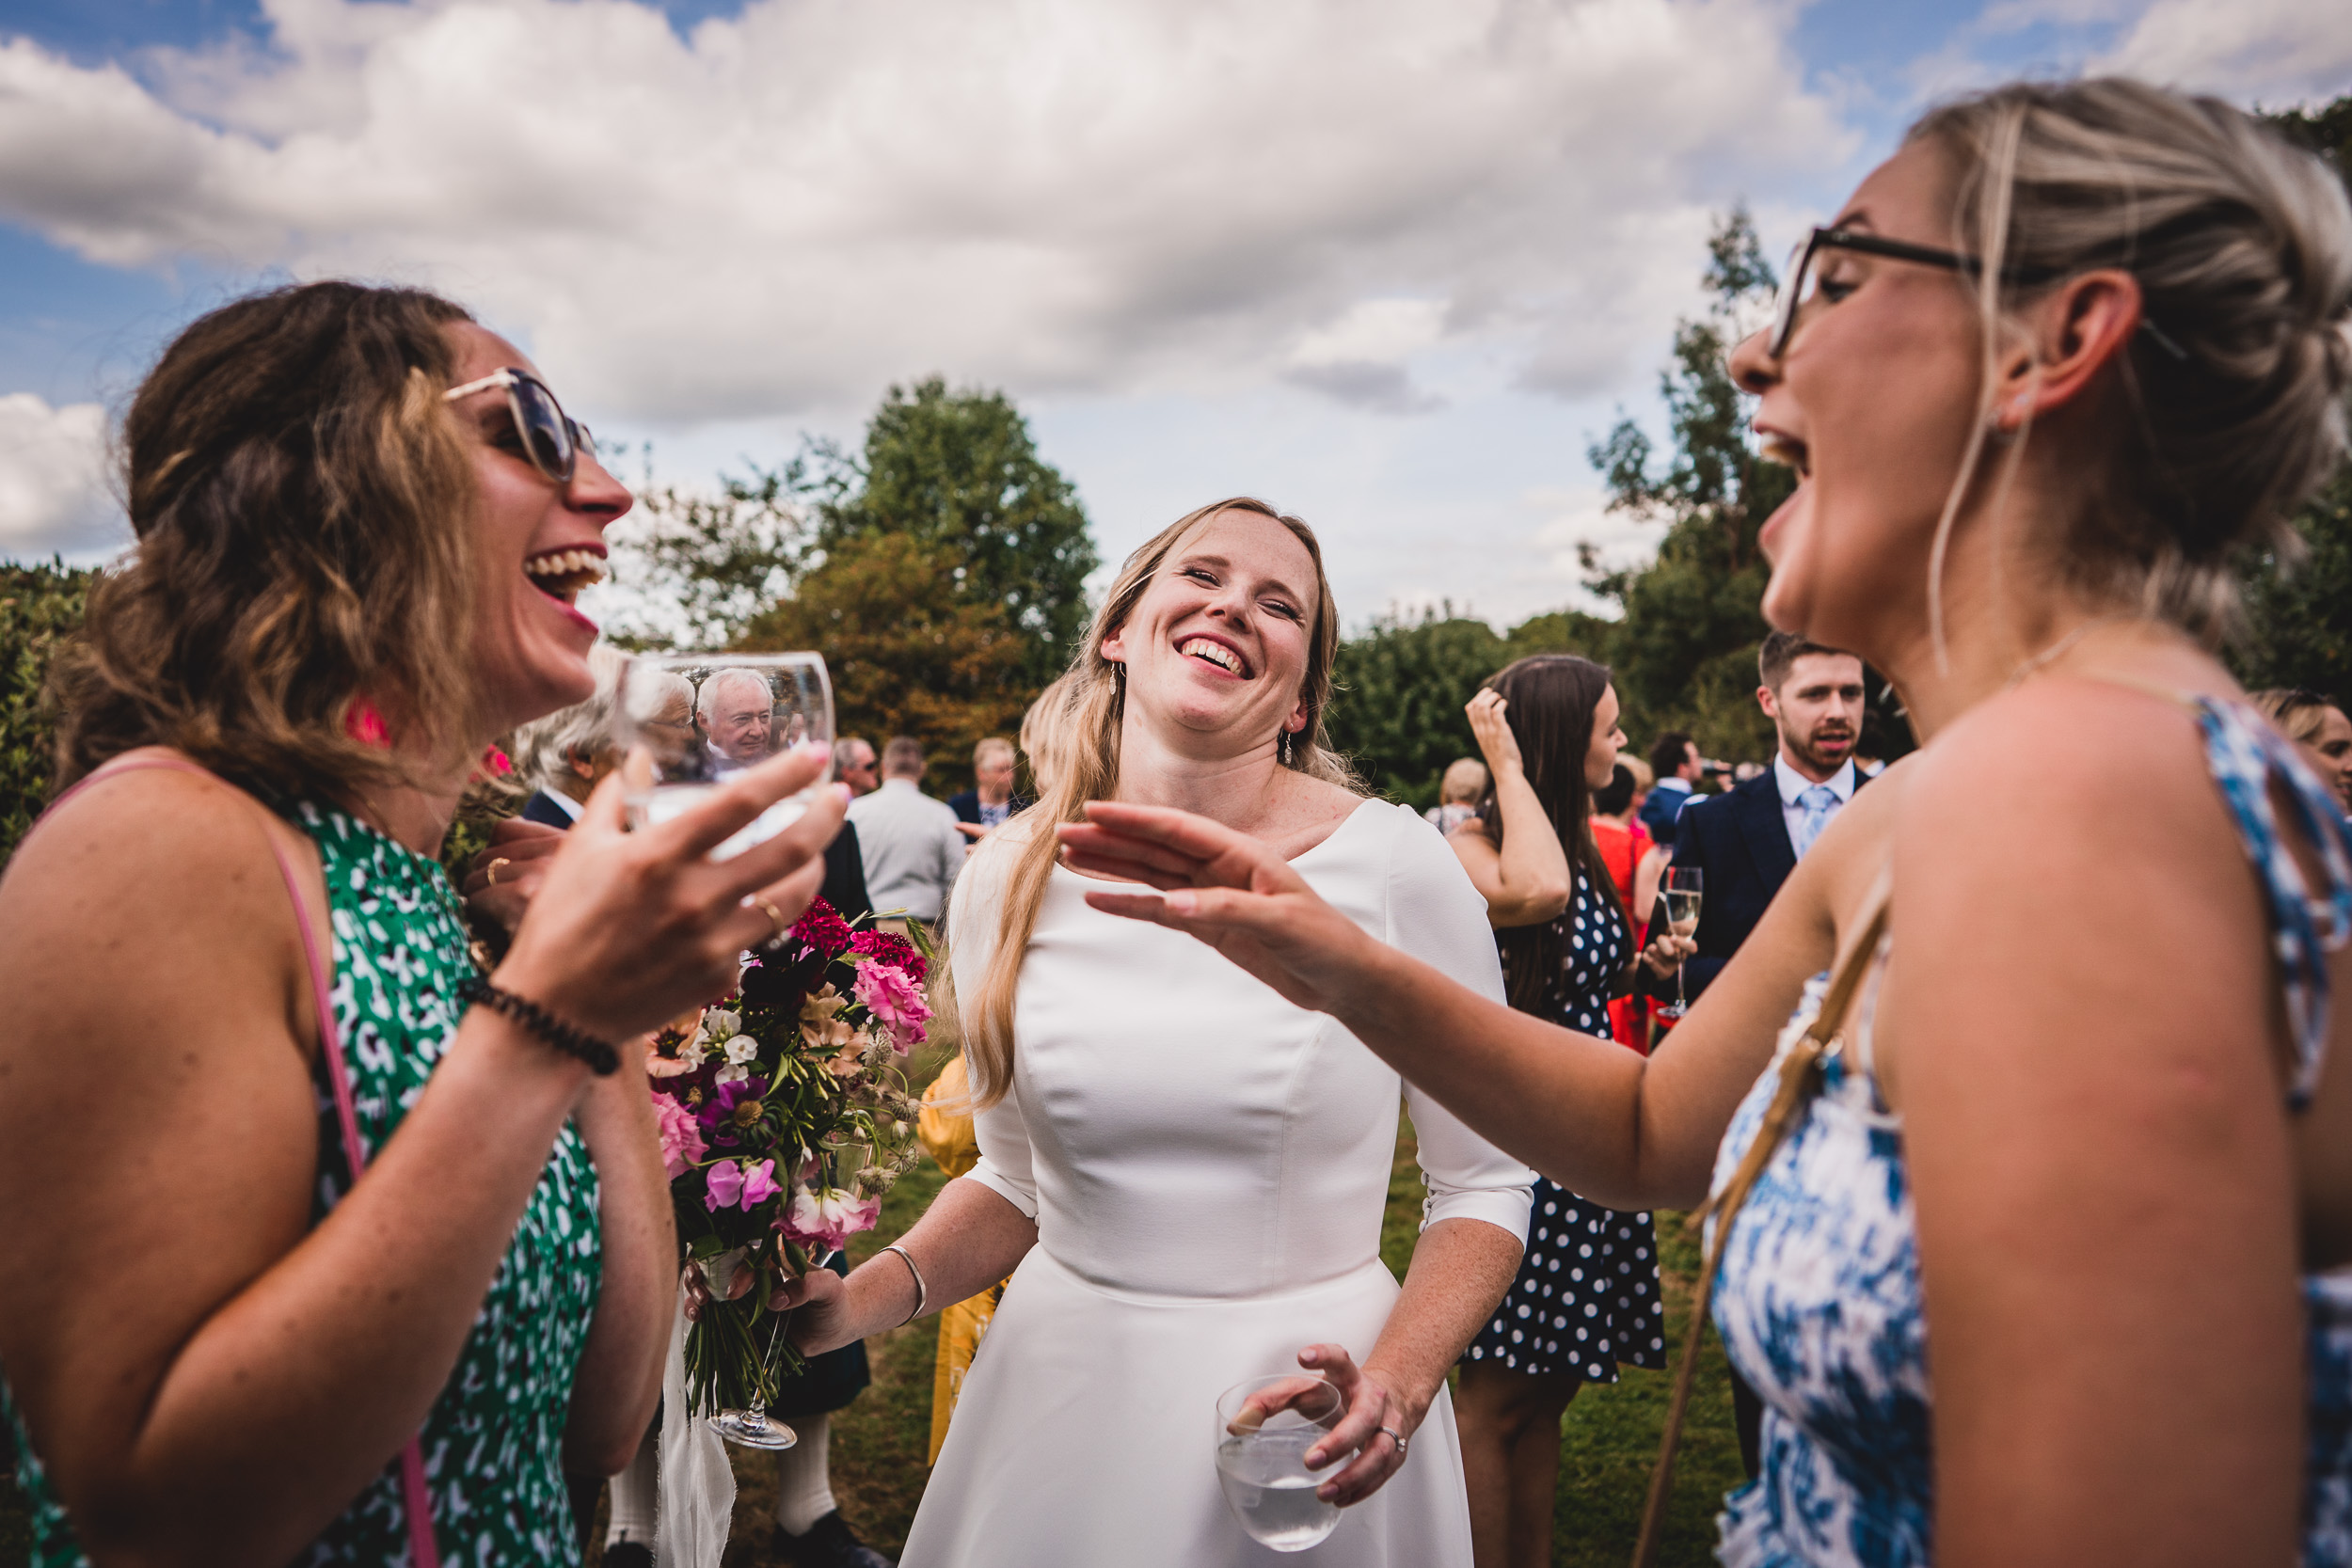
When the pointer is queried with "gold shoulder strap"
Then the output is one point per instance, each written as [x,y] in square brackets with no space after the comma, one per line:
[1799,1081]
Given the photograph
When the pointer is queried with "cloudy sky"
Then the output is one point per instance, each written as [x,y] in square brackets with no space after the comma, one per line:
[1392,263]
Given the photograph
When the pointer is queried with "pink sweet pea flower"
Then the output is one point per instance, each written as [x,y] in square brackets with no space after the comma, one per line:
[682,1135]
[731,1182]
[759,1184]
[895,1002]
[829,1218]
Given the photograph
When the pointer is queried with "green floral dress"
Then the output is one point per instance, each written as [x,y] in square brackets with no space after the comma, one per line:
[493,1443]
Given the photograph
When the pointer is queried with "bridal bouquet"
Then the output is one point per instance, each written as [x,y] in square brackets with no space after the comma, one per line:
[784,1117]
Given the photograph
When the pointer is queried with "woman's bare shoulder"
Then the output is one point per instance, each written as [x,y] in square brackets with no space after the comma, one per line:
[161,862]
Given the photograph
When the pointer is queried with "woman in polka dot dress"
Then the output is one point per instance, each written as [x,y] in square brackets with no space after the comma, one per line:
[1586,1295]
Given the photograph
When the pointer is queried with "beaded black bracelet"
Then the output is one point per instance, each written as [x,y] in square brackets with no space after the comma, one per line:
[601,1059]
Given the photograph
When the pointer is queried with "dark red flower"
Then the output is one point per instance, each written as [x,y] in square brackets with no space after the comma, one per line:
[821,928]
[894,950]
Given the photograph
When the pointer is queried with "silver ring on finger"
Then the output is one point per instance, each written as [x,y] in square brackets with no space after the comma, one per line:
[1398,1439]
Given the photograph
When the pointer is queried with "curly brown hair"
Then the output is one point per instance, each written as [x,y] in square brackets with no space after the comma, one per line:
[303,504]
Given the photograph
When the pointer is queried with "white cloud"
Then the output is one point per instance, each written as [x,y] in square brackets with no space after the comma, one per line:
[2275,53]
[791,207]
[52,487]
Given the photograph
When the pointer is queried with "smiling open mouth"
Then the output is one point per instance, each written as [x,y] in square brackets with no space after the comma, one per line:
[562,573]
[1209,651]
[1788,449]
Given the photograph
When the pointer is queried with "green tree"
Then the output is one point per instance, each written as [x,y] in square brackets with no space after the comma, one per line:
[908,653]
[1397,710]
[713,563]
[2299,612]
[959,474]
[1401,688]
[1685,648]
[39,604]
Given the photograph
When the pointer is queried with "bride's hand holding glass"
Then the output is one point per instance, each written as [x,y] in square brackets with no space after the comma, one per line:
[1378,1425]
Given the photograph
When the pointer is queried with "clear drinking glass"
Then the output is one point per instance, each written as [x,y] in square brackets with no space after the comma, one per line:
[1682,895]
[705,716]
[1263,1430]
[753,1427]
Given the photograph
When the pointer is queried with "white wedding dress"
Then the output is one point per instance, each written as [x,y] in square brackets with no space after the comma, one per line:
[1208,1166]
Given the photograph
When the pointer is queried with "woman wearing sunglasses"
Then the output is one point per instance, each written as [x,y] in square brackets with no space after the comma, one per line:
[322,1247]
[2056,361]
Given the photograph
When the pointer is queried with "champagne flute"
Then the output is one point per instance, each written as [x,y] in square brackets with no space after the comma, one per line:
[705,716]
[1263,1430]
[1681,892]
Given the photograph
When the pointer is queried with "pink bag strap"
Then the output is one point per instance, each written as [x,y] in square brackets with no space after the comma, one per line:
[425,1552]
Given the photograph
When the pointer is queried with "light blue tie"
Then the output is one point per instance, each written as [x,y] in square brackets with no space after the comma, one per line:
[1818,803]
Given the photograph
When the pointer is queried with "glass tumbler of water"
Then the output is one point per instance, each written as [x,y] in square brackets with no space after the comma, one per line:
[1263,1430]
[705,717]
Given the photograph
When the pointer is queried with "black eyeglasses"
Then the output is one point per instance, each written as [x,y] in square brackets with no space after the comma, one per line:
[552,438]
[1793,290]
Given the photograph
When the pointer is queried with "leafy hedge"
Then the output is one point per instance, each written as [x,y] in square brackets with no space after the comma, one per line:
[38,606]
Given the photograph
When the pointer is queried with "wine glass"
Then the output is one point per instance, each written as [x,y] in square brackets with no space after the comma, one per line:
[1263,1430]
[1681,892]
[753,1427]
[705,716]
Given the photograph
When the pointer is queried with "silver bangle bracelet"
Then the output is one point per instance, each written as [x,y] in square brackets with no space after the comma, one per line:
[922,1292]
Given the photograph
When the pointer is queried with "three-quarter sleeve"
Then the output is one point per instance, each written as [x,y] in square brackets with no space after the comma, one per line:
[974,916]
[1004,1165]
[1436,914]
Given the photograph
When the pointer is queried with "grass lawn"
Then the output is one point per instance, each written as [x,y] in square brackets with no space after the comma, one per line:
[1608,1439]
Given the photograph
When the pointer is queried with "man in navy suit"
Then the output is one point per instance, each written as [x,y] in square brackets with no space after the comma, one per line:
[1747,840]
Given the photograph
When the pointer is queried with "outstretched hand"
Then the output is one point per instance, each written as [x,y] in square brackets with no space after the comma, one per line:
[1224,887]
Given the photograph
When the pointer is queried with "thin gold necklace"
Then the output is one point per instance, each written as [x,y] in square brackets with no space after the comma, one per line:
[2058,648]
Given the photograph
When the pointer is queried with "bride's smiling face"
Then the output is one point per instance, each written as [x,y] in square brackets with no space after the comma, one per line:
[1218,644]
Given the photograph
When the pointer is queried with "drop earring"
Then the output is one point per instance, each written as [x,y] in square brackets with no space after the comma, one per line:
[1285,747]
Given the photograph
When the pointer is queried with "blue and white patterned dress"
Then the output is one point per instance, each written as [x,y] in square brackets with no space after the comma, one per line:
[1819,1299]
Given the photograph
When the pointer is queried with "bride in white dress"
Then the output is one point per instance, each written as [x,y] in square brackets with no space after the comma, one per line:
[1190,1172]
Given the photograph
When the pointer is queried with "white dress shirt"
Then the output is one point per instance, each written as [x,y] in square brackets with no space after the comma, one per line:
[911,849]
[1793,784]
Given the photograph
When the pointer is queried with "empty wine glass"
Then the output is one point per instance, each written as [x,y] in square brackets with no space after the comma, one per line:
[1263,1430]
[705,716]
[753,1427]
[1682,895]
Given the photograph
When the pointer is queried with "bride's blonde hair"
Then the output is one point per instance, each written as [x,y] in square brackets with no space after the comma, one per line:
[1094,701]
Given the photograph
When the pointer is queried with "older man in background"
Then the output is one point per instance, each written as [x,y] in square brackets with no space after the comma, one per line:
[986,806]
[737,711]
[913,850]
[854,764]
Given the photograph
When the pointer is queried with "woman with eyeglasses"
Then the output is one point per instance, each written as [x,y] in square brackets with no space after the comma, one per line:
[2033,1261]
[322,1247]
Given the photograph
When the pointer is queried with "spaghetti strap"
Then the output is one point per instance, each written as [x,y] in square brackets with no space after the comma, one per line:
[2253,765]
[425,1551]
